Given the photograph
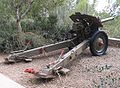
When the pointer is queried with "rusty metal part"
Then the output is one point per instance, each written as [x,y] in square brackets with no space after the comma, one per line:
[99,44]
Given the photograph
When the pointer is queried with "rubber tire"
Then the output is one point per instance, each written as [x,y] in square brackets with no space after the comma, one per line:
[92,40]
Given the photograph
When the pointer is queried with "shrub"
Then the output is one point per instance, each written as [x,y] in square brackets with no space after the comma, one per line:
[39,31]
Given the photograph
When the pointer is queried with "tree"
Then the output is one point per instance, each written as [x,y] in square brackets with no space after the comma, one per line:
[22,8]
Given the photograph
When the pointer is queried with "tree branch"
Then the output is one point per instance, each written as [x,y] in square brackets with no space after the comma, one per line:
[14,4]
[17,14]
[18,5]
[21,2]
[17,8]
[28,9]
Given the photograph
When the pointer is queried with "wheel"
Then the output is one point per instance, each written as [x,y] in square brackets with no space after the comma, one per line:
[99,43]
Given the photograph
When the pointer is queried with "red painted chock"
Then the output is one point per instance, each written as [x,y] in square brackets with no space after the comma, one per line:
[31,70]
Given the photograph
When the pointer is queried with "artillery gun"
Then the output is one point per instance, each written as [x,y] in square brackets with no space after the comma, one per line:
[86,32]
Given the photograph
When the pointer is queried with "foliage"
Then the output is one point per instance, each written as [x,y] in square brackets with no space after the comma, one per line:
[113,28]
[82,6]
[118,1]
[37,27]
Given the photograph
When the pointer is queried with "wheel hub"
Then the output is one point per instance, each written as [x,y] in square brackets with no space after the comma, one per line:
[99,45]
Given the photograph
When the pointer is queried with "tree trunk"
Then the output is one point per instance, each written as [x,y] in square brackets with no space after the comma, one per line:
[20,34]
[18,24]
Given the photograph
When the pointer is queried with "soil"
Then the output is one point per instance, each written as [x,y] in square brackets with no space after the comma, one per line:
[86,71]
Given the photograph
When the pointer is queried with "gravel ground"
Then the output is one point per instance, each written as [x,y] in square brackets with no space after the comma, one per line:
[87,71]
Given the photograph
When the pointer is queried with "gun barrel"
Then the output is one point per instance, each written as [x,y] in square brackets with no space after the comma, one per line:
[107,19]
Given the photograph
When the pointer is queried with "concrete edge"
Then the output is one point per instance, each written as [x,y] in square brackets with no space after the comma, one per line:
[6,82]
[114,42]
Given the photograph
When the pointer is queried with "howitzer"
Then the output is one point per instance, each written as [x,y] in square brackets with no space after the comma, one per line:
[86,32]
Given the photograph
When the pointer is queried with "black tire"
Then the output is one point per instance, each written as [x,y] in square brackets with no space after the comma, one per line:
[95,43]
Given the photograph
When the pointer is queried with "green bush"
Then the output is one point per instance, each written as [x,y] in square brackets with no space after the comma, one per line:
[113,28]
[10,40]
[39,31]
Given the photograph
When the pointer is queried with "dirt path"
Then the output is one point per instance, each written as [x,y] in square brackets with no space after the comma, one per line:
[87,71]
